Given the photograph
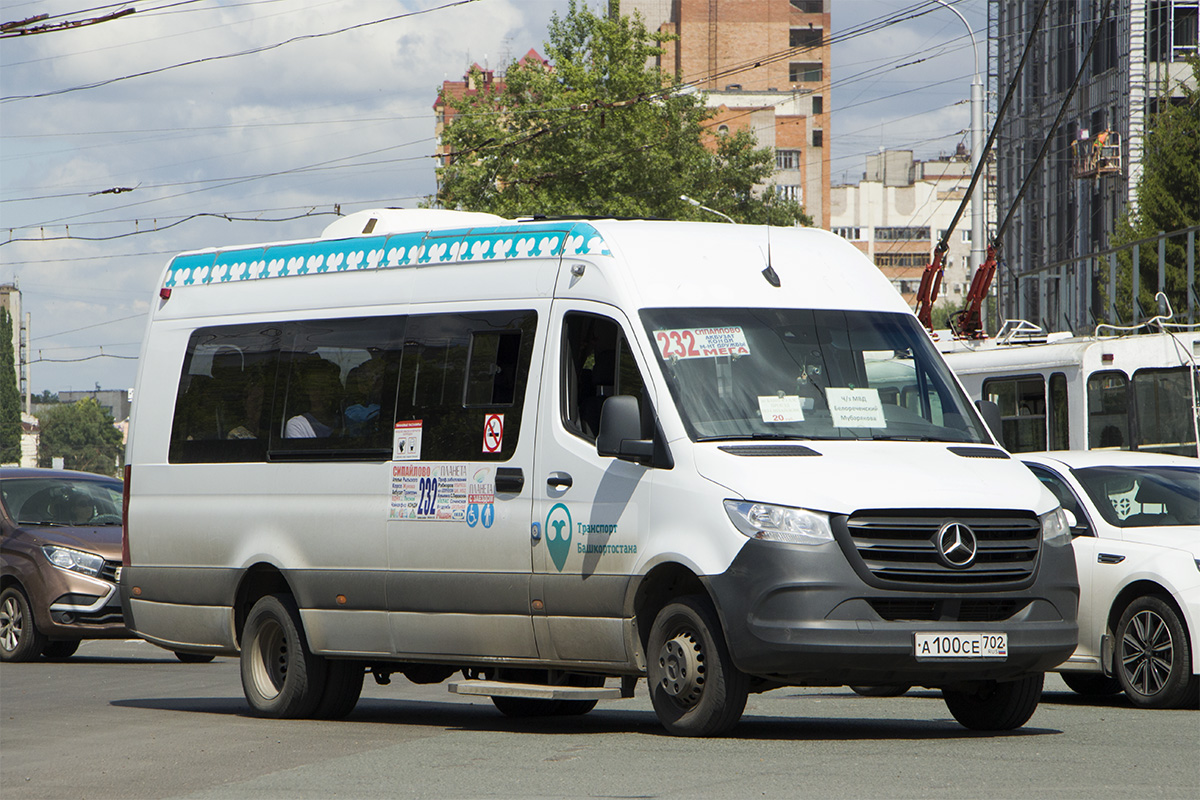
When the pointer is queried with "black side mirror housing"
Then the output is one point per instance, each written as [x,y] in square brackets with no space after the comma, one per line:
[621,434]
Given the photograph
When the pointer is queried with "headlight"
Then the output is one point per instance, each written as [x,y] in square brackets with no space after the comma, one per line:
[779,523]
[74,560]
[1055,530]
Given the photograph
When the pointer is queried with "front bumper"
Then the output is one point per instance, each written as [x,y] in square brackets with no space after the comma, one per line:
[802,615]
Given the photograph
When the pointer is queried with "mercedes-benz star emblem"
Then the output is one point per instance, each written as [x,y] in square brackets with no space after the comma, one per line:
[957,545]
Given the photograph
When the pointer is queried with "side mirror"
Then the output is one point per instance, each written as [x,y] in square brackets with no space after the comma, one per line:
[1072,523]
[621,430]
[991,415]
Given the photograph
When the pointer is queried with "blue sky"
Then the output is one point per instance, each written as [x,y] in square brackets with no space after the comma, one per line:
[265,146]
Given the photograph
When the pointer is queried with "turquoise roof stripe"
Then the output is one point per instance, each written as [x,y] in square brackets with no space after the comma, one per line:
[419,248]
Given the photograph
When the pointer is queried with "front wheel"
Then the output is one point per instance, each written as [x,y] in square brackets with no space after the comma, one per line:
[995,706]
[193,658]
[20,640]
[1154,663]
[694,686]
[280,677]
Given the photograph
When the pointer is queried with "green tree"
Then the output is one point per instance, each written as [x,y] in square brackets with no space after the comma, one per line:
[601,133]
[83,434]
[10,398]
[1168,199]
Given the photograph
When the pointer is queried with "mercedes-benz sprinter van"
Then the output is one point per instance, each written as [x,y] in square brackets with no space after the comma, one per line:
[545,454]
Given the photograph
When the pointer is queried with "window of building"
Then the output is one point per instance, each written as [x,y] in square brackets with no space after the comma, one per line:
[854,234]
[901,234]
[787,192]
[597,363]
[722,129]
[1022,403]
[805,37]
[809,6]
[901,260]
[787,159]
[804,72]
[818,105]
[818,138]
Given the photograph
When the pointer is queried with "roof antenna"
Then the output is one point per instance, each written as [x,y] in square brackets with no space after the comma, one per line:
[769,273]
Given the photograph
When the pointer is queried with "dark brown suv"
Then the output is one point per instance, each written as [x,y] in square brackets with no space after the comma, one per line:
[60,560]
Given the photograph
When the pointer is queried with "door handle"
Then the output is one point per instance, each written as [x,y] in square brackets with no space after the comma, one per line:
[559,480]
[510,480]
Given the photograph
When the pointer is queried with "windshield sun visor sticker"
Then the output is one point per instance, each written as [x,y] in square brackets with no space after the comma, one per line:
[682,343]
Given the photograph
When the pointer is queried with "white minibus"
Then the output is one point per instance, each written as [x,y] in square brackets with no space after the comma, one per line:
[550,457]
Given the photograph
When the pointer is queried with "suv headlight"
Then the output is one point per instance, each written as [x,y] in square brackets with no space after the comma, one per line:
[1055,530]
[74,560]
[779,523]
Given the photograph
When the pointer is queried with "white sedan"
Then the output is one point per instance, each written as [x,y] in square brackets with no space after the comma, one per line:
[1135,521]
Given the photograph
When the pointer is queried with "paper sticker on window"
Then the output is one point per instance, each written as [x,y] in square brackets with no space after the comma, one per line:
[781,409]
[701,343]
[855,408]
[406,441]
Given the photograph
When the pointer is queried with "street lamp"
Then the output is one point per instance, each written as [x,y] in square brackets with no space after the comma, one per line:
[697,204]
[978,223]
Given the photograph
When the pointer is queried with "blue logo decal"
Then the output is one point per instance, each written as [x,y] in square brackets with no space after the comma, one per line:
[473,515]
[488,515]
[558,534]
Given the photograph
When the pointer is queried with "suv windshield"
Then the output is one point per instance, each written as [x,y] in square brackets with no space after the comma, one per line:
[62,501]
[792,373]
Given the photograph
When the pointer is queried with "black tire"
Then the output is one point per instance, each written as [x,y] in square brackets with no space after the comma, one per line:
[1091,684]
[1153,658]
[881,691]
[694,686]
[995,706]
[523,707]
[193,658]
[280,676]
[343,686]
[20,640]
[61,649]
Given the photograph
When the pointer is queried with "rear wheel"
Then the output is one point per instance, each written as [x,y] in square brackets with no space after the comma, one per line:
[1090,684]
[995,706]
[20,640]
[1154,662]
[521,707]
[60,649]
[694,686]
[343,685]
[280,676]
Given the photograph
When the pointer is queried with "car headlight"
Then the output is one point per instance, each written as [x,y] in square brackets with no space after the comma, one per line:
[779,523]
[74,560]
[1055,530]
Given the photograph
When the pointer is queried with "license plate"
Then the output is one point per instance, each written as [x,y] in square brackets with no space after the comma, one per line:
[943,646]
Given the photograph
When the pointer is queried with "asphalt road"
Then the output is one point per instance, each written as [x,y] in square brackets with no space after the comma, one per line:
[126,720]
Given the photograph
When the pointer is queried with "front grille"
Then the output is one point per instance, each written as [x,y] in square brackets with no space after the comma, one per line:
[907,609]
[109,571]
[900,547]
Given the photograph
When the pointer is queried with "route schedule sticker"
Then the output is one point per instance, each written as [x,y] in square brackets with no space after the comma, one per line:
[701,343]
[441,493]
[855,408]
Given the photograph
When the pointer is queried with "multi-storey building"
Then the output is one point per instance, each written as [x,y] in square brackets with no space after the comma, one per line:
[900,210]
[1089,177]
[764,65]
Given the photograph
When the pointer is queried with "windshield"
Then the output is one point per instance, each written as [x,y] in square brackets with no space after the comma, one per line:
[791,373]
[1142,497]
[62,501]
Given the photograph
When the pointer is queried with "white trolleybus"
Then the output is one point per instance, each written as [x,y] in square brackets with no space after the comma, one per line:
[1120,388]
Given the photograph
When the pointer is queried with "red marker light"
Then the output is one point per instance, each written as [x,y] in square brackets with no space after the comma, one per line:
[165,293]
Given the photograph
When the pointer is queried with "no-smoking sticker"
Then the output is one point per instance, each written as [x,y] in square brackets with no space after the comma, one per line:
[493,433]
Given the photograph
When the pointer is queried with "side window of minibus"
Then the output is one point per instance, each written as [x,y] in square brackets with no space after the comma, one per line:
[224,397]
[336,388]
[597,363]
[463,379]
